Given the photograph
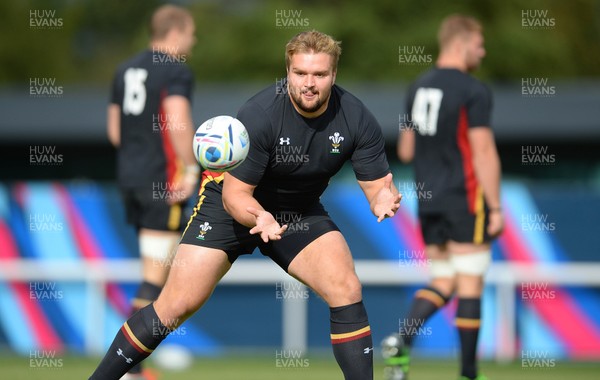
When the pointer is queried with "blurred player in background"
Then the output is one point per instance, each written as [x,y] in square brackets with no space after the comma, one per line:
[456,161]
[150,122]
[326,126]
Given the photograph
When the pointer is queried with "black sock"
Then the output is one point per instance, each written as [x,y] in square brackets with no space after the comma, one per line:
[351,341]
[136,339]
[427,301]
[146,294]
[468,316]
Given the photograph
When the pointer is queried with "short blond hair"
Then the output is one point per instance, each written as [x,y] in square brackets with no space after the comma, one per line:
[315,42]
[457,25]
[168,17]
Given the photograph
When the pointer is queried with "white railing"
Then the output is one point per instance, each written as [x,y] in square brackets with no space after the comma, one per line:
[504,277]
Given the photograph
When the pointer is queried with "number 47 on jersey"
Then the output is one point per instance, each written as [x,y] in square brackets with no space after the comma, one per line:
[425,110]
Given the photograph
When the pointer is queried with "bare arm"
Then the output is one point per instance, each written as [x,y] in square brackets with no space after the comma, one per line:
[237,197]
[406,146]
[239,202]
[383,197]
[113,124]
[181,127]
[488,172]
[181,131]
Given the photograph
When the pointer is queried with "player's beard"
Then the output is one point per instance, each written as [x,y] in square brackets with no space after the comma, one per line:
[317,103]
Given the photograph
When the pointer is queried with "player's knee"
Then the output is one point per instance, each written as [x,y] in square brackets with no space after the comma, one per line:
[354,290]
[443,276]
[345,291]
[178,313]
[175,310]
[469,286]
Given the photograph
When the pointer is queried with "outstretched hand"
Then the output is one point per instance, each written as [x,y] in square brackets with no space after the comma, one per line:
[266,225]
[386,201]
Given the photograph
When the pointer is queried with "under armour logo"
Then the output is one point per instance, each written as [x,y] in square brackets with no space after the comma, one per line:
[367,350]
[285,141]
[120,353]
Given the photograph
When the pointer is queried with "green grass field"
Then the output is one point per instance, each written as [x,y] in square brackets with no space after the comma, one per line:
[262,368]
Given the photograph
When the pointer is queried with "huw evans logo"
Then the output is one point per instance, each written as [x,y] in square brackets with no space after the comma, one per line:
[44,155]
[45,291]
[537,223]
[45,222]
[44,19]
[290,19]
[537,88]
[285,290]
[159,328]
[45,88]
[281,86]
[537,19]
[415,191]
[167,55]
[413,258]
[44,359]
[413,55]
[164,191]
[405,122]
[537,155]
[413,327]
[290,359]
[537,359]
[293,220]
[286,154]
[535,291]
[167,122]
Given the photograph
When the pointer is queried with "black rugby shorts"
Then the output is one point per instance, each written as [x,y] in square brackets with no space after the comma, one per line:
[211,226]
[460,226]
[147,208]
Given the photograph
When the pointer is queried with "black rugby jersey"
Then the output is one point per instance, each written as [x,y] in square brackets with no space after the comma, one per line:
[292,158]
[146,156]
[443,105]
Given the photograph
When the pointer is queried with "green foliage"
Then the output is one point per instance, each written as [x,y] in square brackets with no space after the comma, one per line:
[244,40]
